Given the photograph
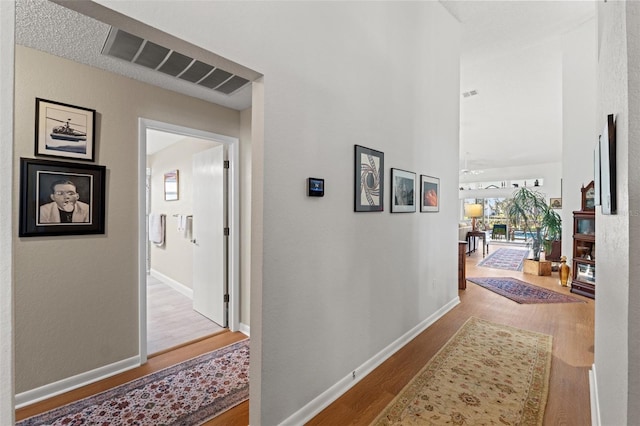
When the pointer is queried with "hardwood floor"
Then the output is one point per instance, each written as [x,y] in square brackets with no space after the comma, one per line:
[153,364]
[570,324]
[171,320]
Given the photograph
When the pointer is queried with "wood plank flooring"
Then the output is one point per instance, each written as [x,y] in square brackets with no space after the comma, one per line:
[171,320]
[570,324]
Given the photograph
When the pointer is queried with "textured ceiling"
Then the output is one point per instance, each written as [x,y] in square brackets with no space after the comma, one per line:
[52,28]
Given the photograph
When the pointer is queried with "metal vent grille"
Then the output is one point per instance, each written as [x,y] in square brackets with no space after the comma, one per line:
[122,45]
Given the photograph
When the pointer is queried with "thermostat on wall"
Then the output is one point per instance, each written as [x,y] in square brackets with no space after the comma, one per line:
[316,187]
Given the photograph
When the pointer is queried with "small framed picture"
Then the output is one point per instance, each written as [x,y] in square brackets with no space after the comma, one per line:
[64,130]
[555,203]
[59,198]
[430,194]
[171,185]
[369,180]
[403,197]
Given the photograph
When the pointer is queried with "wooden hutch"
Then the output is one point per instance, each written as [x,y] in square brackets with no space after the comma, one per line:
[583,278]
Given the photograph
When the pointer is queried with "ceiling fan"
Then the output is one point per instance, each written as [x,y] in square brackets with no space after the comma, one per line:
[466,171]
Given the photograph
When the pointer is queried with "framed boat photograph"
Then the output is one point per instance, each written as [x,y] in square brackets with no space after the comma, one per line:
[64,130]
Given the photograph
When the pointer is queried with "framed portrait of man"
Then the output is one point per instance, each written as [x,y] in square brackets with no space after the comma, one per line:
[60,198]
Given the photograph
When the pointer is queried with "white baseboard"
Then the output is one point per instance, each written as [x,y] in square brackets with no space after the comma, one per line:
[593,392]
[183,289]
[323,400]
[47,391]
[244,329]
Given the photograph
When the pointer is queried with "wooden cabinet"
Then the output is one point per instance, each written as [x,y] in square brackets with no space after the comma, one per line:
[584,253]
[462,274]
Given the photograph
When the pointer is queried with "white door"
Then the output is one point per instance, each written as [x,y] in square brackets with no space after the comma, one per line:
[209,241]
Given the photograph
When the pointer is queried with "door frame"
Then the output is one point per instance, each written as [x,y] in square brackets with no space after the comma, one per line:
[233,206]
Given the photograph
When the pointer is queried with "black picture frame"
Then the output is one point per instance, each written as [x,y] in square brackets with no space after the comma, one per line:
[64,130]
[429,194]
[369,180]
[608,169]
[39,214]
[403,191]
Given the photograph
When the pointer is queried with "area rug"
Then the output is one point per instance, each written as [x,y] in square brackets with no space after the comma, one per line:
[188,393]
[521,291]
[505,258]
[486,374]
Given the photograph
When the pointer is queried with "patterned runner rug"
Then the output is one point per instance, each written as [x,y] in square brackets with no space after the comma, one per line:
[521,291]
[505,258]
[188,393]
[486,374]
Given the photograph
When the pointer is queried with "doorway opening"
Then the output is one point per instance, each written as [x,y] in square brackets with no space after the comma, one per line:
[179,300]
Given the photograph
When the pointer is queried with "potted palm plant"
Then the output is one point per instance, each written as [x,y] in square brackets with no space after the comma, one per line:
[529,209]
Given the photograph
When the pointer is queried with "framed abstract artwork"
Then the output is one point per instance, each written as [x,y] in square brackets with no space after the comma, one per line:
[596,174]
[64,130]
[608,169]
[430,194]
[61,198]
[403,194]
[369,180]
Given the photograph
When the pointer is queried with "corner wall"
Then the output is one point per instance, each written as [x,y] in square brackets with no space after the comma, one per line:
[7,19]
[617,366]
[338,286]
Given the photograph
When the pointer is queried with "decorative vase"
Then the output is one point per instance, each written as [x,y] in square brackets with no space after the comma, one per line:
[564,271]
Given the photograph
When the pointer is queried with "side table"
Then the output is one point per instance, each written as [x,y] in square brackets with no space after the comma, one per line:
[472,235]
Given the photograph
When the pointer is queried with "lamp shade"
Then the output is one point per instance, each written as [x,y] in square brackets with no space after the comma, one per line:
[473,210]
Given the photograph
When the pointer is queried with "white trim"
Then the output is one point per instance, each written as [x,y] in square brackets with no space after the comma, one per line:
[244,329]
[232,144]
[323,400]
[7,65]
[74,382]
[593,393]
[178,286]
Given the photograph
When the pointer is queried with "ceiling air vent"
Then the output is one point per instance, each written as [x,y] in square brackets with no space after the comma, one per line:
[122,45]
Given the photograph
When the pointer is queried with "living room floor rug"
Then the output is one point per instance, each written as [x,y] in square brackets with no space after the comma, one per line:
[188,393]
[486,374]
[521,291]
[505,258]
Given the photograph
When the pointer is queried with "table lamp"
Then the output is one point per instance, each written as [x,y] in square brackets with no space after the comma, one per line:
[473,211]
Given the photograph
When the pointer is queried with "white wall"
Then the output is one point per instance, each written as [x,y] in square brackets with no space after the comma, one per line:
[7,17]
[633,182]
[338,286]
[617,92]
[245,215]
[580,127]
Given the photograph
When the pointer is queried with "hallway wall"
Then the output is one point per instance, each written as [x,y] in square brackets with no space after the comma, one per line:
[617,336]
[86,287]
[337,286]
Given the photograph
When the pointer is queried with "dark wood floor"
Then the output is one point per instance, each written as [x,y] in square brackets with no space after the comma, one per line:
[570,324]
